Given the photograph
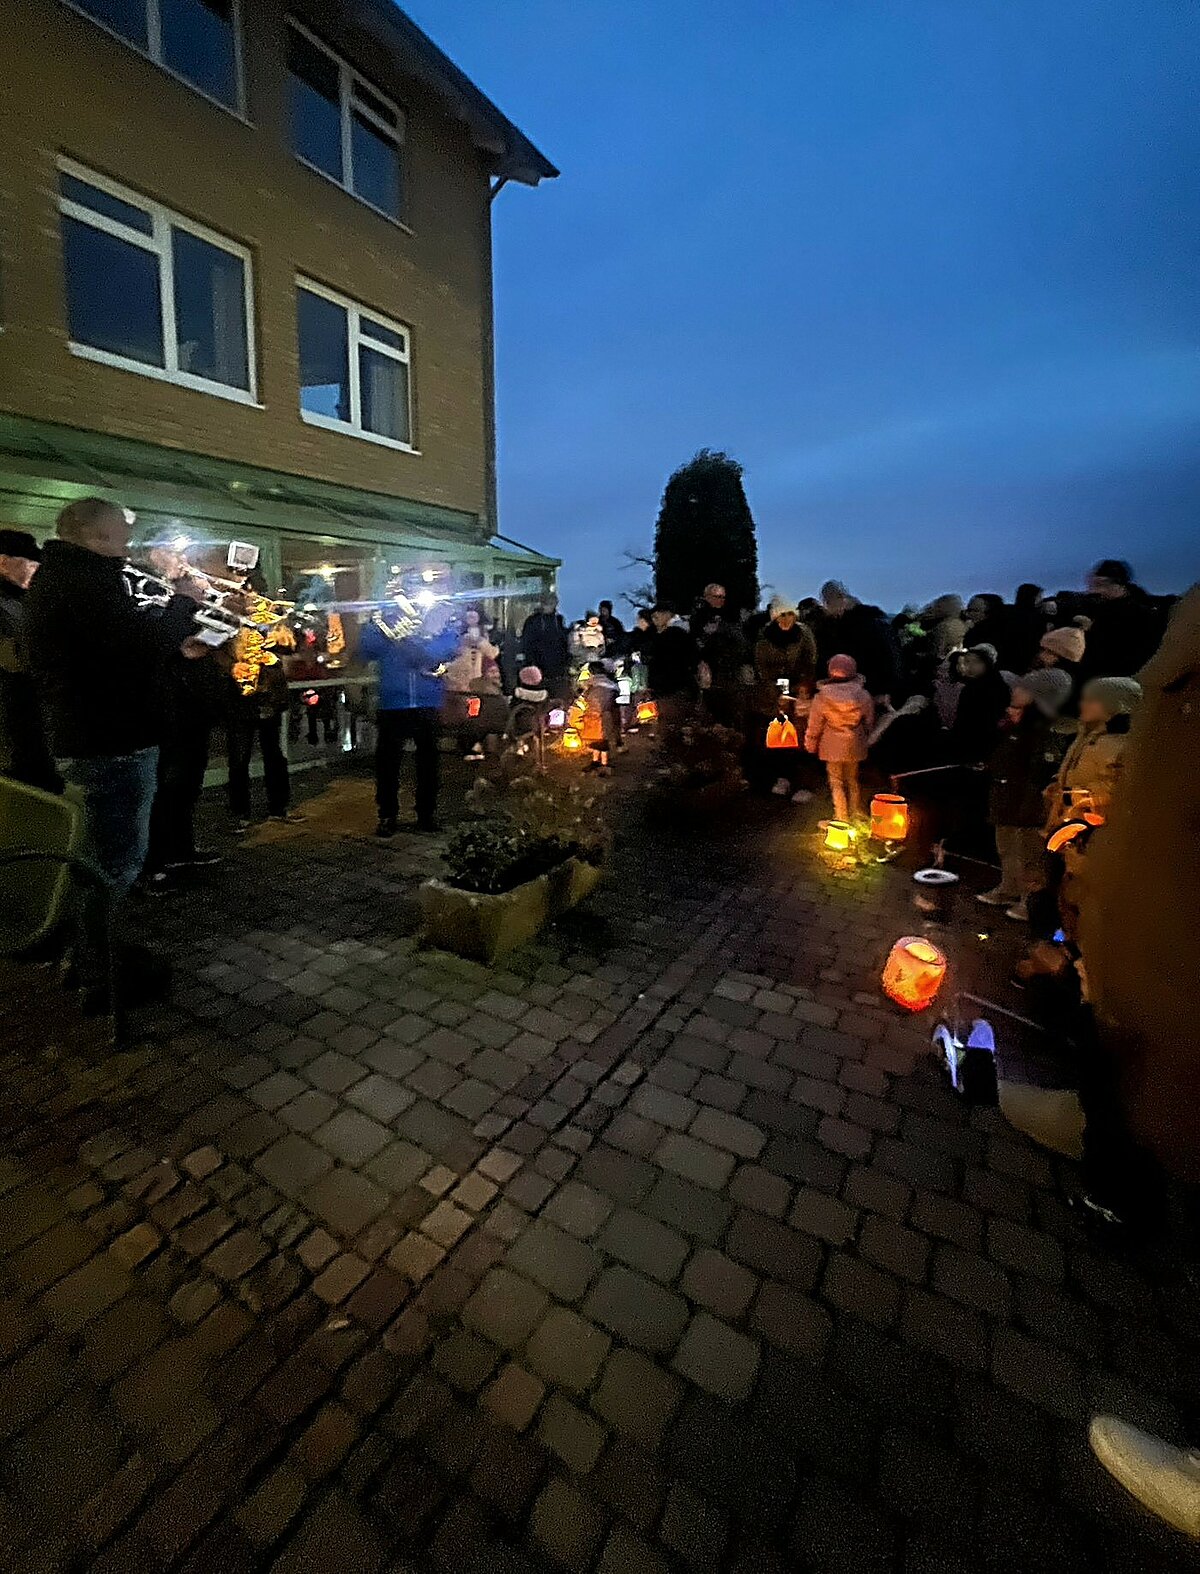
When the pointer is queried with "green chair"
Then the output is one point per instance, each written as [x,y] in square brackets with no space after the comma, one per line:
[41,864]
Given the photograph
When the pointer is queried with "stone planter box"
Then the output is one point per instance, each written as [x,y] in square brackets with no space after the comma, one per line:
[484,928]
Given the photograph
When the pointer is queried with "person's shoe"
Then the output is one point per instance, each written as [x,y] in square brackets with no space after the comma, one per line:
[386,827]
[289,817]
[161,883]
[427,827]
[782,787]
[1019,911]
[1053,1117]
[202,858]
[802,795]
[993,898]
[241,826]
[1165,1479]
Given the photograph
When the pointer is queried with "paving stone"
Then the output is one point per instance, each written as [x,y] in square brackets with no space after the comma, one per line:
[566,1431]
[637,1397]
[559,1263]
[643,1243]
[568,1525]
[293,1164]
[475,1192]
[399,1166]
[791,1322]
[1026,1250]
[756,1188]
[693,1210]
[499,1165]
[947,1219]
[514,1396]
[1046,1377]
[465,1360]
[416,1256]
[696,1529]
[823,1216]
[381,1097]
[506,1308]
[869,1188]
[973,1280]
[727,1131]
[346,1200]
[308,1111]
[722,1286]
[773,1250]
[856,1287]
[578,1209]
[618,1175]
[567,1350]
[446,1224]
[626,1553]
[933,1323]
[529,1190]
[895,1248]
[663,1107]
[334,1073]
[717,1358]
[637,1310]
[694,1161]
[352,1137]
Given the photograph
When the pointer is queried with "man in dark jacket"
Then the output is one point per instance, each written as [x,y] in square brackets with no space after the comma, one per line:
[24,750]
[1125,630]
[544,644]
[99,660]
[672,663]
[852,629]
[616,640]
[725,655]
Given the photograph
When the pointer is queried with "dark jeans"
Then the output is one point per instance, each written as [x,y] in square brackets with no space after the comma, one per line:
[116,791]
[1118,1172]
[394,727]
[182,761]
[241,732]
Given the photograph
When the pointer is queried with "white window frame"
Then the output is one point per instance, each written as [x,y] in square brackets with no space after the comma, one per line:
[348,77]
[158,243]
[356,337]
[153,52]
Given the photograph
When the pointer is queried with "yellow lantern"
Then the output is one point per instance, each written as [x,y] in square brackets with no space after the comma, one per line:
[889,817]
[838,834]
[647,711]
[571,740]
[914,972]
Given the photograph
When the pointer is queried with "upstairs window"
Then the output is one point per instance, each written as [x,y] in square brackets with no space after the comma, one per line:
[342,126]
[196,39]
[354,368]
[152,292]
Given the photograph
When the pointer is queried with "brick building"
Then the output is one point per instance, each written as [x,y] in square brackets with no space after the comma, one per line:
[246,283]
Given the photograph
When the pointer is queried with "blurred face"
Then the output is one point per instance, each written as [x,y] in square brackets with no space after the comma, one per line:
[976,609]
[971,665]
[18,571]
[786,620]
[1022,699]
[715,596]
[1106,589]
[660,620]
[834,603]
[108,534]
[1046,658]
[1092,713]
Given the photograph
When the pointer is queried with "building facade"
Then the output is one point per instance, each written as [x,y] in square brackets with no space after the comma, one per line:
[246,284]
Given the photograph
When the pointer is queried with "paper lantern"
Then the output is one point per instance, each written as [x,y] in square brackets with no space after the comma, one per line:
[647,711]
[838,834]
[571,740]
[889,817]
[935,893]
[781,734]
[557,718]
[473,706]
[1072,829]
[914,973]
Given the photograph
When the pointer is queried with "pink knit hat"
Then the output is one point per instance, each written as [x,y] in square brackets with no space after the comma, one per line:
[1067,644]
[530,677]
[843,667]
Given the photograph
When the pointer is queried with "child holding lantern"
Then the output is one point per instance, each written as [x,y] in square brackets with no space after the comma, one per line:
[839,722]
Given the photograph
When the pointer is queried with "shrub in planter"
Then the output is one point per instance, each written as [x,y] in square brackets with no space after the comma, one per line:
[701,771]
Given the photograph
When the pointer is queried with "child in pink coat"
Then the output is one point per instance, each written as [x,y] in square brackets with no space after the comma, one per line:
[839,723]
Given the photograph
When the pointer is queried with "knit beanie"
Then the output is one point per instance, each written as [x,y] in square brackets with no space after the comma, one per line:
[988,652]
[1050,688]
[778,605]
[1117,696]
[843,667]
[530,677]
[1066,643]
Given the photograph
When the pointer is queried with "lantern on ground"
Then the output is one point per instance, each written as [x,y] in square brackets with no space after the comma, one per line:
[889,817]
[571,741]
[838,834]
[647,711]
[934,893]
[913,973]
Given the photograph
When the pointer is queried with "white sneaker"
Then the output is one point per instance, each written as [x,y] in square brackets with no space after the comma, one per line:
[995,898]
[1165,1479]
[802,795]
[1018,911]
[1053,1117]
[782,787]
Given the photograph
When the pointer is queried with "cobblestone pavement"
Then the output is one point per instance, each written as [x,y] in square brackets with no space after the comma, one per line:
[661,1248]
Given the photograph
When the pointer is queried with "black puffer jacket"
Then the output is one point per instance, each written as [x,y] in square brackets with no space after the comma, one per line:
[864,633]
[24,750]
[1023,765]
[99,660]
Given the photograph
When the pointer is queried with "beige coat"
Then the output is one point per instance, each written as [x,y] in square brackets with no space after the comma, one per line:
[1092,764]
[1140,905]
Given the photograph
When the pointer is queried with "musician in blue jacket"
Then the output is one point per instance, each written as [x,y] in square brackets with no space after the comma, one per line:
[411,661]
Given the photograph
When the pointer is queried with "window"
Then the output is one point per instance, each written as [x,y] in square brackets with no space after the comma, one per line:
[152,292]
[354,368]
[342,127]
[196,39]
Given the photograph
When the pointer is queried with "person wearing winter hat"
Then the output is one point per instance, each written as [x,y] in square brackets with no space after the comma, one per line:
[1021,766]
[839,724]
[1062,647]
[531,687]
[1089,771]
[1126,626]
[947,626]
[785,664]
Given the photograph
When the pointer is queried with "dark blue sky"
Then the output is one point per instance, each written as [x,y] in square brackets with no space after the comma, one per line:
[929,268]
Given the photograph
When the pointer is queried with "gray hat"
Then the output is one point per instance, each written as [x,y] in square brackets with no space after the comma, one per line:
[1050,688]
[1118,696]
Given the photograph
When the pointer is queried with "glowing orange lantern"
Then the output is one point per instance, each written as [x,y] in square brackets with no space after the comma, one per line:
[473,706]
[781,734]
[889,817]
[838,834]
[914,973]
[647,711]
[1065,834]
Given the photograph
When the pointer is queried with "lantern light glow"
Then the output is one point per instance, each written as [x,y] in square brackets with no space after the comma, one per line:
[647,711]
[889,817]
[838,834]
[913,973]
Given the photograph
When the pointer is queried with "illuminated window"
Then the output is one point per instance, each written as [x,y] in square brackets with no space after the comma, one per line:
[151,292]
[354,368]
[195,39]
[342,126]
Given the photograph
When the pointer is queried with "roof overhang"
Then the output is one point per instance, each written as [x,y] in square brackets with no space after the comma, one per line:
[511,155]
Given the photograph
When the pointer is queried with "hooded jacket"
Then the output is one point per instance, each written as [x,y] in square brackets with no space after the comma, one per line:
[1092,764]
[100,661]
[840,720]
